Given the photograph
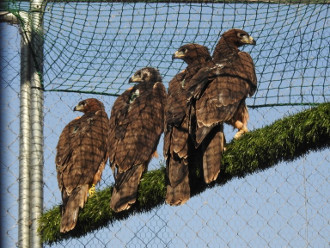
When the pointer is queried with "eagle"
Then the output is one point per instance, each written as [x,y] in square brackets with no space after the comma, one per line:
[218,96]
[82,152]
[136,124]
[179,150]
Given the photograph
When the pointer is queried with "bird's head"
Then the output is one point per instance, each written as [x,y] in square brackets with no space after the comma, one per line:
[146,75]
[191,53]
[238,37]
[89,105]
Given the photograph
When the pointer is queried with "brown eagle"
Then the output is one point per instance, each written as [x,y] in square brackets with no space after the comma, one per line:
[179,150]
[219,96]
[136,123]
[82,152]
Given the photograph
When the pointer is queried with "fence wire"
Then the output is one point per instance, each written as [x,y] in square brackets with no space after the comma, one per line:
[92,48]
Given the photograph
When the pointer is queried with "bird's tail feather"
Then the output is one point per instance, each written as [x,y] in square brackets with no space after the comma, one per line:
[178,188]
[124,194]
[71,206]
[212,148]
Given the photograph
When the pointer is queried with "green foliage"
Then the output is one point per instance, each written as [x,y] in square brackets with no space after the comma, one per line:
[284,140]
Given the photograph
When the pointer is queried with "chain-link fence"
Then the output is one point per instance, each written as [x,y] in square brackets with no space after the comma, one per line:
[95,47]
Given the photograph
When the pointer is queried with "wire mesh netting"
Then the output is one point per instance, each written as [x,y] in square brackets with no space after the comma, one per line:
[92,48]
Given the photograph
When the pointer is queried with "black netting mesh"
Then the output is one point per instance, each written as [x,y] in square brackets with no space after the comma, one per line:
[95,47]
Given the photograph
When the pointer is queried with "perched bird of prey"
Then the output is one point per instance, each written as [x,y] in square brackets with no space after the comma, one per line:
[136,123]
[219,96]
[82,152]
[179,150]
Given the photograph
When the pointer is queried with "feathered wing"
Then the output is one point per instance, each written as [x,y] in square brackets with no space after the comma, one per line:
[218,104]
[134,136]
[175,143]
[125,191]
[82,153]
[212,149]
[178,189]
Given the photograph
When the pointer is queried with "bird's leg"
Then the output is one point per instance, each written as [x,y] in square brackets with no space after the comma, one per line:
[91,190]
[242,129]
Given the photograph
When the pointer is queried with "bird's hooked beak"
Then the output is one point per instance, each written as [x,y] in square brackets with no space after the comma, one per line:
[253,41]
[134,79]
[78,108]
[249,40]
[178,55]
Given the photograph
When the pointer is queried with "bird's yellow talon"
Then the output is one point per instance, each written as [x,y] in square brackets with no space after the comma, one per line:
[91,190]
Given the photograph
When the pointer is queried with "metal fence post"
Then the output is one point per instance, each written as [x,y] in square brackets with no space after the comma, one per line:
[25,131]
[25,127]
[37,100]
[31,123]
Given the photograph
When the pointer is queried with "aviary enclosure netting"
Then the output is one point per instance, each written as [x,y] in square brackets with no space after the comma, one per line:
[91,48]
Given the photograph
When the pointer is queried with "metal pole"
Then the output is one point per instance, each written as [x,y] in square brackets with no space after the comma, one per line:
[37,100]
[25,137]
[31,123]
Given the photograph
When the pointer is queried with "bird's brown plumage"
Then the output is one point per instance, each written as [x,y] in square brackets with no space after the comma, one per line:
[82,152]
[178,148]
[220,96]
[136,123]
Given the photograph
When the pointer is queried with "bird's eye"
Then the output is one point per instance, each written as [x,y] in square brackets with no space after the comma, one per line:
[241,35]
[82,103]
[183,50]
